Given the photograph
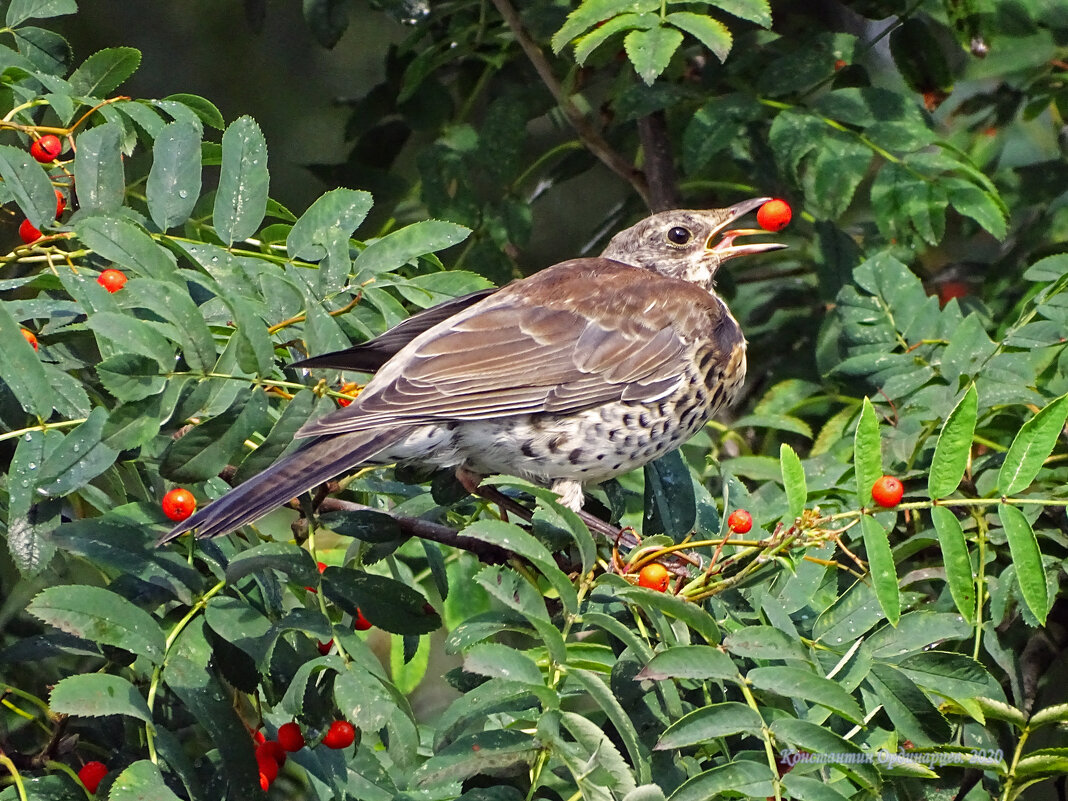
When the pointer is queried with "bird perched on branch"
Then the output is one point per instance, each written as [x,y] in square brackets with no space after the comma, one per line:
[577,374]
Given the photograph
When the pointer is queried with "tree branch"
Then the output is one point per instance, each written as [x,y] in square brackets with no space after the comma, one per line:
[659,164]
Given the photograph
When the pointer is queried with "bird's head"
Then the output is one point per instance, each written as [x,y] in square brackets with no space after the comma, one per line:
[688,244]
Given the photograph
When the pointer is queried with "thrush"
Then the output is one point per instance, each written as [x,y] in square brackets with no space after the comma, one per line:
[577,374]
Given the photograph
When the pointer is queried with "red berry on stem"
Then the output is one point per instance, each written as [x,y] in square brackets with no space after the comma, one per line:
[290,736]
[351,388]
[361,623]
[740,521]
[61,203]
[341,734]
[272,750]
[178,504]
[28,232]
[268,770]
[887,492]
[91,775]
[30,337]
[258,737]
[112,280]
[654,576]
[774,215]
[46,149]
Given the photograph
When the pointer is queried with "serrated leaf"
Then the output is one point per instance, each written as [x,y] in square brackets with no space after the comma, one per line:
[597,688]
[911,711]
[21,369]
[502,662]
[758,11]
[204,109]
[79,458]
[867,452]
[689,662]
[120,240]
[765,642]
[592,12]
[102,616]
[204,450]
[97,694]
[172,302]
[396,249]
[715,127]
[335,215]
[126,332]
[21,10]
[389,604]
[1027,559]
[650,51]
[488,752]
[296,413]
[286,557]
[708,723]
[490,697]
[518,594]
[793,136]
[839,167]
[972,201]
[104,71]
[141,781]
[670,503]
[881,567]
[130,377]
[712,33]
[594,748]
[99,181]
[793,479]
[585,45]
[29,185]
[956,560]
[173,185]
[746,777]
[689,613]
[953,447]
[792,682]
[362,699]
[29,537]
[1030,447]
[241,199]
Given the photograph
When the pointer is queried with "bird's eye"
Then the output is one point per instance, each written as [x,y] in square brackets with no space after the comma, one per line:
[679,235]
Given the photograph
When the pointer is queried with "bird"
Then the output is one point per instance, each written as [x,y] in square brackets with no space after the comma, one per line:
[574,375]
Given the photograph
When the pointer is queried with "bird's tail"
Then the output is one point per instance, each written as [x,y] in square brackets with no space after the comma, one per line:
[318,461]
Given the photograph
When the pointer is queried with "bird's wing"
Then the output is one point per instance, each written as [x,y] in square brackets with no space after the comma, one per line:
[369,356]
[575,336]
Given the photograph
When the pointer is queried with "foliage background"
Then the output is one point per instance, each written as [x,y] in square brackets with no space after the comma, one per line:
[926,272]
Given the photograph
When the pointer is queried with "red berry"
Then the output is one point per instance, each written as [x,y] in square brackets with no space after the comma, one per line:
[947,290]
[341,734]
[258,737]
[774,215]
[268,770]
[654,576]
[91,775]
[112,280]
[61,203]
[740,521]
[324,647]
[28,233]
[290,736]
[361,623]
[351,388]
[887,492]
[272,750]
[839,64]
[30,337]
[178,504]
[46,149]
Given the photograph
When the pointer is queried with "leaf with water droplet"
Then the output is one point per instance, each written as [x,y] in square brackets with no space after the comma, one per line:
[174,181]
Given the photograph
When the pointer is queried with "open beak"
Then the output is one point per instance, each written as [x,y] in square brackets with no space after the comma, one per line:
[724,246]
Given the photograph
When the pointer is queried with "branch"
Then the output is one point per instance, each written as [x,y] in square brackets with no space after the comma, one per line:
[589,135]
[659,163]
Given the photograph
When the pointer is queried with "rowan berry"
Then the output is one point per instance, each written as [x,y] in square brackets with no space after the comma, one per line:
[46,149]
[178,504]
[740,521]
[887,492]
[654,576]
[112,280]
[341,734]
[774,215]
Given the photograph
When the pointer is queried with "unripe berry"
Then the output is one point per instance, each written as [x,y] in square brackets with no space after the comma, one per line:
[774,215]
[341,734]
[112,280]
[887,492]
[740,521]
[654,576]
[178,504]
[46,149]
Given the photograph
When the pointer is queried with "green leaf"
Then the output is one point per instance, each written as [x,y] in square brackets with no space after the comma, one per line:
[972,201]
[514,539]
[911,711]
[241,200]
[908,204]
[841,163]
[817,739]
[689,662]
[122,241]
[793,682]
[104,71]
[1031,446]
[793,136]
[29,185]
[498,751]
[502,662]
[124,331]
[793,479]
[708,723]
[712,33]
[689,613]
[48,51]
[97,694]
[594,749]
[171,301]
[953,447]
[881,567]
[598,690]
[490,697]
[285,557]
[362,699]
[204,450]
[746,777]
[389,604]
[173,185]
[296,413]
[79,458]
[98,175]
[204,109]
[670,503]
[765,642]
[758,11]
[1027,559]
[21,10]
[515,592]
[586,44]
[139,782]
[396,249]
[948,674]
[334,216]
[867,453]
[716,126]
[593,12]
[21,369]
[31,547]
[650,51]
[101,616]
[955,557]
[131,377]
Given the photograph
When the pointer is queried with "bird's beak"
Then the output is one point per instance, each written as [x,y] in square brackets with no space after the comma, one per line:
[724,246]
